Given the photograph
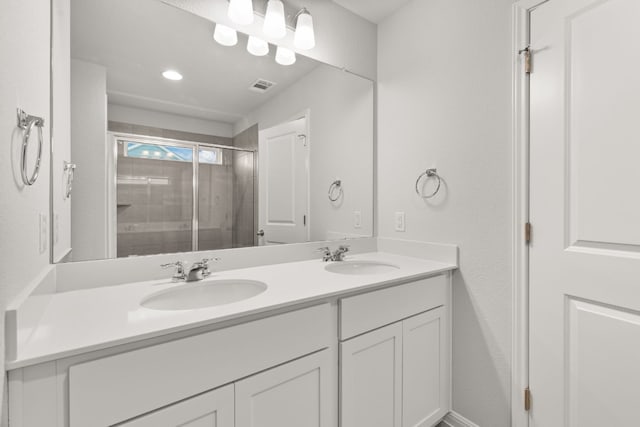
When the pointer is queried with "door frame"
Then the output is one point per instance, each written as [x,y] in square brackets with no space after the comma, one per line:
[521,27]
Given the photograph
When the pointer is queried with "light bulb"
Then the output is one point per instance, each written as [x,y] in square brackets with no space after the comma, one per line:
[304,37]
[241,11]
[285,56]
[172,75]
[274,24]
[257,46]
[225,36]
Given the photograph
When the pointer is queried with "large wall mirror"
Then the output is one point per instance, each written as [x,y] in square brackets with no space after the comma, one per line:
[226,150]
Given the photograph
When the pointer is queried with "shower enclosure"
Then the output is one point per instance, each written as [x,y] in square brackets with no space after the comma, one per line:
[177,196]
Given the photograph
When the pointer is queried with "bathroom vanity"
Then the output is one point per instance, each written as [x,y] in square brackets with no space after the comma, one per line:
[364,343]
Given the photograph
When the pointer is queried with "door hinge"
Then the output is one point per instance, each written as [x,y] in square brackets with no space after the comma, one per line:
[304,220]
[527,399]
[527,233]
[527,58]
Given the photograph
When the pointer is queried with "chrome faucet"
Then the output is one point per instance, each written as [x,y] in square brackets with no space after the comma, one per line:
[337,255]
[198,271]
[326,254]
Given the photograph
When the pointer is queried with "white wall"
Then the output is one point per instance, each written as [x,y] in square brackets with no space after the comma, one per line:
[343,38]
[444,100]
[143,117]
[24,82]
[89,210]
[341,107]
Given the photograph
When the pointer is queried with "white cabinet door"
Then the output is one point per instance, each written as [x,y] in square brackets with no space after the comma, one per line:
[425,368]
[371,379]
[295,394]
[211,409]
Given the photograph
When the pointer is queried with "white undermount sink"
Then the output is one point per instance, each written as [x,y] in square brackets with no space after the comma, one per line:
[210,293]
[360,267]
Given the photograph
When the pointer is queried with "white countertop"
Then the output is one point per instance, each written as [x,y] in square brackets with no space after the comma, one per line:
[80,321]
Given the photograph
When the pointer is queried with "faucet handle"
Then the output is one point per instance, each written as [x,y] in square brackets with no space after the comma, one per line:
[205,265]
[326,253]
[179,269]
[176,264]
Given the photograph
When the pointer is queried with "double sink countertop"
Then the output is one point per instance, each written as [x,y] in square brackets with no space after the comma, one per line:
[81,321]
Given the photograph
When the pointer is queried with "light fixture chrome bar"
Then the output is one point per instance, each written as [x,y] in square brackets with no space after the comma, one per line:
[290,12]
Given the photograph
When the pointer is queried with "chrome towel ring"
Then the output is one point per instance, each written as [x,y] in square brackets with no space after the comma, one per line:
[27,123]
[429,173]
[333,194]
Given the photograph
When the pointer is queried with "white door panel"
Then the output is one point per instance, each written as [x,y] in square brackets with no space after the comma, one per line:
[283,190]
[212,409]
[425,368]
[585,211]
[371,378]
[295,394]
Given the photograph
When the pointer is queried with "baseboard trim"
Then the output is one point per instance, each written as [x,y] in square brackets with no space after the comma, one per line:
[453,419]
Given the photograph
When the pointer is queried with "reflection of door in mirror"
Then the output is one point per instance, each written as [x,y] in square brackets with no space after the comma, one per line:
[171,200]
[284,183]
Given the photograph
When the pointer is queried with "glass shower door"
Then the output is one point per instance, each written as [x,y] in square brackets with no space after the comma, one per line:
[225,198]
[154,198]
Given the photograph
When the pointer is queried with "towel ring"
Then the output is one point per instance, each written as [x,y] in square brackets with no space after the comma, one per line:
[429,173]
[335,185]
[27,123]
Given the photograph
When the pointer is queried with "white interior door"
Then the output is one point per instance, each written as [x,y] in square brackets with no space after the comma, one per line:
[283,189]
[585,211]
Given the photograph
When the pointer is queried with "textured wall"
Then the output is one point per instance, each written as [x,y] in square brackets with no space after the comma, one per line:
[341,141]
[24,82]
[445,101]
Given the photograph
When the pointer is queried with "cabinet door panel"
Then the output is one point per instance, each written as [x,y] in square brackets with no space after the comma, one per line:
[371,379]
[425,364]
[295,394]
[211,409]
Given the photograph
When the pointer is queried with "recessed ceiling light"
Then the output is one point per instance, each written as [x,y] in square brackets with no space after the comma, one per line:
[172,75]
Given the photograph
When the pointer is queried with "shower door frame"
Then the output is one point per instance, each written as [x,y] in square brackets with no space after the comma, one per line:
[195,146]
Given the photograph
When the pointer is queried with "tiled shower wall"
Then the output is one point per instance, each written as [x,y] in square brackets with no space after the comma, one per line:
[157,218]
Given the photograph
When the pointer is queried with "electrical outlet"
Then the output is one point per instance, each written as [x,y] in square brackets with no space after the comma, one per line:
[400,222]
[357,219]
[44,237]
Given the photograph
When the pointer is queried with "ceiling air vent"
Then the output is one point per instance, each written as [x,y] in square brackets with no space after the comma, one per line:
[261,85]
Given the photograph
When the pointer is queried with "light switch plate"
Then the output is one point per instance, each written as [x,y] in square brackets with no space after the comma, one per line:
[357,219]
[400,222]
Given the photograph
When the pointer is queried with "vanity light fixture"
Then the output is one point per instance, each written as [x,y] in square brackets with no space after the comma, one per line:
[256,46]
[225,36]
[274,20]
[172,75]
[241,11]
[304,37]
[285,56]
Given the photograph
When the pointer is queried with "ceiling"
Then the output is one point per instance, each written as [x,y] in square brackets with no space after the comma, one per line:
[137,40]
[374,11]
